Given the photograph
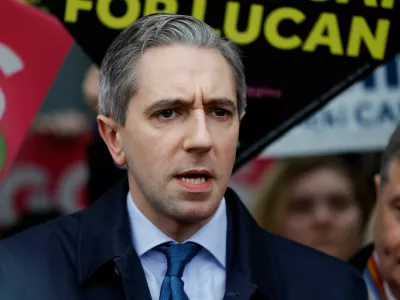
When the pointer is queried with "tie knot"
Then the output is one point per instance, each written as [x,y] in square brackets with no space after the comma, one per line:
[178,256]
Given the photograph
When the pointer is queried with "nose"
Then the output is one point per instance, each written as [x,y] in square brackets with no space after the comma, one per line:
[322,215]
[198,138]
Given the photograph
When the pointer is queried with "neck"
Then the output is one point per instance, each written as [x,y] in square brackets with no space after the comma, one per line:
[177,229]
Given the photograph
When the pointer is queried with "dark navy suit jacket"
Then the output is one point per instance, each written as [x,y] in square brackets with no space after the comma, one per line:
[89,255]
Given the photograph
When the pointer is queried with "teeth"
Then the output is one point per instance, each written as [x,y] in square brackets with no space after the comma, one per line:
[193,180]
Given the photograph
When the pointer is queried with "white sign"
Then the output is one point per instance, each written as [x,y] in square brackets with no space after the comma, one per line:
[10,63]
[360,119]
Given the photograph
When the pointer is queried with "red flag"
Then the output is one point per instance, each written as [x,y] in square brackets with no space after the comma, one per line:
[33,46]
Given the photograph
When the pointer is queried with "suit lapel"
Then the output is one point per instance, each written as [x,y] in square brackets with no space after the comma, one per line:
[250,267]
[238,287]
[105,237]
[132,276]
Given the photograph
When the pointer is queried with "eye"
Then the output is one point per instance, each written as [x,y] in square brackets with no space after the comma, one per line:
[339,202]
[221,113]
[396,206]
[300,205]
[395,203]
[166,114]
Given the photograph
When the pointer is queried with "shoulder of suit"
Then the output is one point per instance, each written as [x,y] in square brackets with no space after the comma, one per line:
[296,259]
[37,241]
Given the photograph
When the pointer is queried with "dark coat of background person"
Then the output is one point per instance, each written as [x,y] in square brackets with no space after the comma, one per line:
[360,259]
[89,255]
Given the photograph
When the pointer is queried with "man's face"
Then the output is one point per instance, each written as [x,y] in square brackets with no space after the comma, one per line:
[387,226]
[181,132]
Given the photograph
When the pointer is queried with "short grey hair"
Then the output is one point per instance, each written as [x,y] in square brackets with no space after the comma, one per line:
[118,70]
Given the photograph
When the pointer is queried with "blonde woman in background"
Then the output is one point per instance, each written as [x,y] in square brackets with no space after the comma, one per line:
[315,201]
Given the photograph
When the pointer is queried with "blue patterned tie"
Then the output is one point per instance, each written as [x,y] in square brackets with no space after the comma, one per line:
[178,256]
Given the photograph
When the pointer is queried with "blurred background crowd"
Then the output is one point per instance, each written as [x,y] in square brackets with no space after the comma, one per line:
[313,185]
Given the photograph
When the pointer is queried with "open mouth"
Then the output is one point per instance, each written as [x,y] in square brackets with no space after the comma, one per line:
[194,178]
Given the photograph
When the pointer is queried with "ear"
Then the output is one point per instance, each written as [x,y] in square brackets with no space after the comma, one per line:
[110,131]
[242,115]
[377,181]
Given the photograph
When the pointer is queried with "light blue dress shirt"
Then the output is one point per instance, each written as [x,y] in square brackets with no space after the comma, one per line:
[204,276]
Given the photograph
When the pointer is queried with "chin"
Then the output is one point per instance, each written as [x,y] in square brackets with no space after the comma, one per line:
[195,212]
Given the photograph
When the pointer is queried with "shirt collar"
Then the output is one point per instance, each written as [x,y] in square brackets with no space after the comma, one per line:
[212,236]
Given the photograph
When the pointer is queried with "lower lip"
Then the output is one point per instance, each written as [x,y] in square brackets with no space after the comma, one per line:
[197,188]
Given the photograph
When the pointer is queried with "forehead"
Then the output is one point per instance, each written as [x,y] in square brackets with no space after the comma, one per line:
[181,71]
[324,179]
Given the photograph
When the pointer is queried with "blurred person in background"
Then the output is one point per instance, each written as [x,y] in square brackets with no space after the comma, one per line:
[316,201]
[103,172]
[63,113]
[90,86]
[379,262]
[61,124]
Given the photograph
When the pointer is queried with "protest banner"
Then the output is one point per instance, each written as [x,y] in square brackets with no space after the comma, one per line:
[45,176]
[33,45]
[298,54]
[361,119]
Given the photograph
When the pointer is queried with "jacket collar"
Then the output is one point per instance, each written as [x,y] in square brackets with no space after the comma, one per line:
[360,259]
[105,236]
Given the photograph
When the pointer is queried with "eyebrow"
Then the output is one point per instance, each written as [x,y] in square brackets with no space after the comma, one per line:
[222,101]
[164,104]
[395,199]
[168,103]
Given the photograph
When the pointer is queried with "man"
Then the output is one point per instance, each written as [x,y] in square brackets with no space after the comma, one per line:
[380,262]
[172,94]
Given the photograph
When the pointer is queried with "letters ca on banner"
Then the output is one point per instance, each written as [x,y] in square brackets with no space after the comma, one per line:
[362,30]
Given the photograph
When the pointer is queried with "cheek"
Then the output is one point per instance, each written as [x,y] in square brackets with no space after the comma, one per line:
[388,232]
[296,227]
[350,221]
[225,157]
[226,143]
[387,244]
[146,148]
